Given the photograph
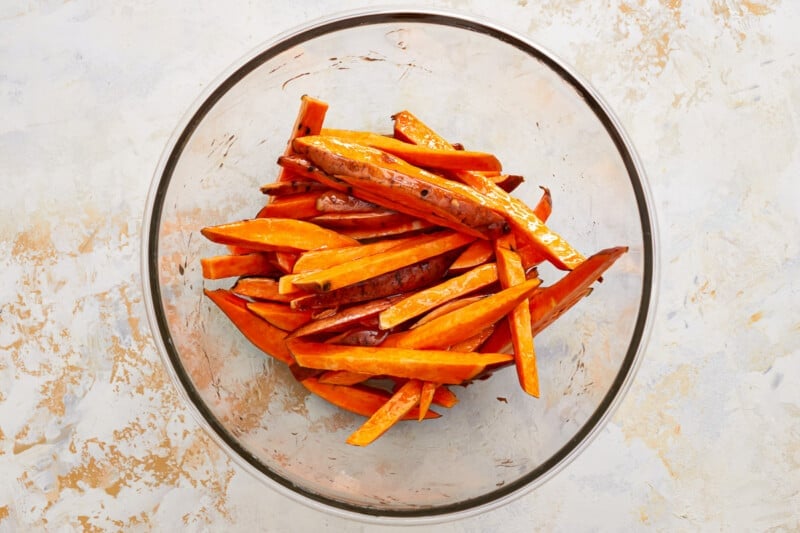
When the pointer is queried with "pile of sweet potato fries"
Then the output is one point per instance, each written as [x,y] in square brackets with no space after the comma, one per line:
[398,259]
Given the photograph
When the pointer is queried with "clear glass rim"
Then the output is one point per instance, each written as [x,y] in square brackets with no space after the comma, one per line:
[166,348]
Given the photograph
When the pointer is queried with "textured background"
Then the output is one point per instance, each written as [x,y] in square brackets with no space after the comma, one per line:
[92,434]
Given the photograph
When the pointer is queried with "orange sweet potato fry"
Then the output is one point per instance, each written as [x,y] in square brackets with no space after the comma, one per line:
[229,266]
[263,335]
[286,261]
[472,344]
[433,198]
[461,324]
[475,254]
[299,206]
[511,273]
[359,399]
[405,228]
[344,319]
[557,250]
[374,265]
[421,156]
[450,306]
[431,365]
[426,397]
[321,259]
[426,299]
[308,122]
[444,397]
[280,315]
[388,415]
[343,377]
[281,234]
[405,279]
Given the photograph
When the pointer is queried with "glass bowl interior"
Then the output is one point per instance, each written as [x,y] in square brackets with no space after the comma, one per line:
[477,85]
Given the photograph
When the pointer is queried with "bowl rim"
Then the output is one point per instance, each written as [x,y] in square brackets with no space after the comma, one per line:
[168,353]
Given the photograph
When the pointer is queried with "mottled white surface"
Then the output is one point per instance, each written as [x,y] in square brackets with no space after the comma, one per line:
[92,434]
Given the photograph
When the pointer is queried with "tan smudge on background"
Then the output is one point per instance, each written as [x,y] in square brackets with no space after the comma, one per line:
[650,421]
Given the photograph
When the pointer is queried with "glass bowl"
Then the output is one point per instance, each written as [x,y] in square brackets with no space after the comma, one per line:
[477,84]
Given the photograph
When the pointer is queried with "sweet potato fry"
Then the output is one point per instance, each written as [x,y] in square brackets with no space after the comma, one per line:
[229,266]
[308,122]
[300,206]
[286,188]
[374,265]
[379,195]
[557,250]
[359,399]
[426,299]
[444,397]
[406,228]
[431,197]
[286,261]
[548,303]
[457,326]
[475,254]
[507,182]
[363,336]
[418,155]
[426,397]
[431,365]
[315,260]
[367,219]
[472,344]
[343,377]
[448,308]
[280,315]
[262,334]
[260,289]
[405,279]
[339,202]
[511,273]
[344,319]
[393,410]
[281,234]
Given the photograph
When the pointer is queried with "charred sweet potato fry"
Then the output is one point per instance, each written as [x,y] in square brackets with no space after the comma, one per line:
[339,202]
[287,188]
[370,170]
[405,279]
[260,289]
[344,319]
[308,122]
